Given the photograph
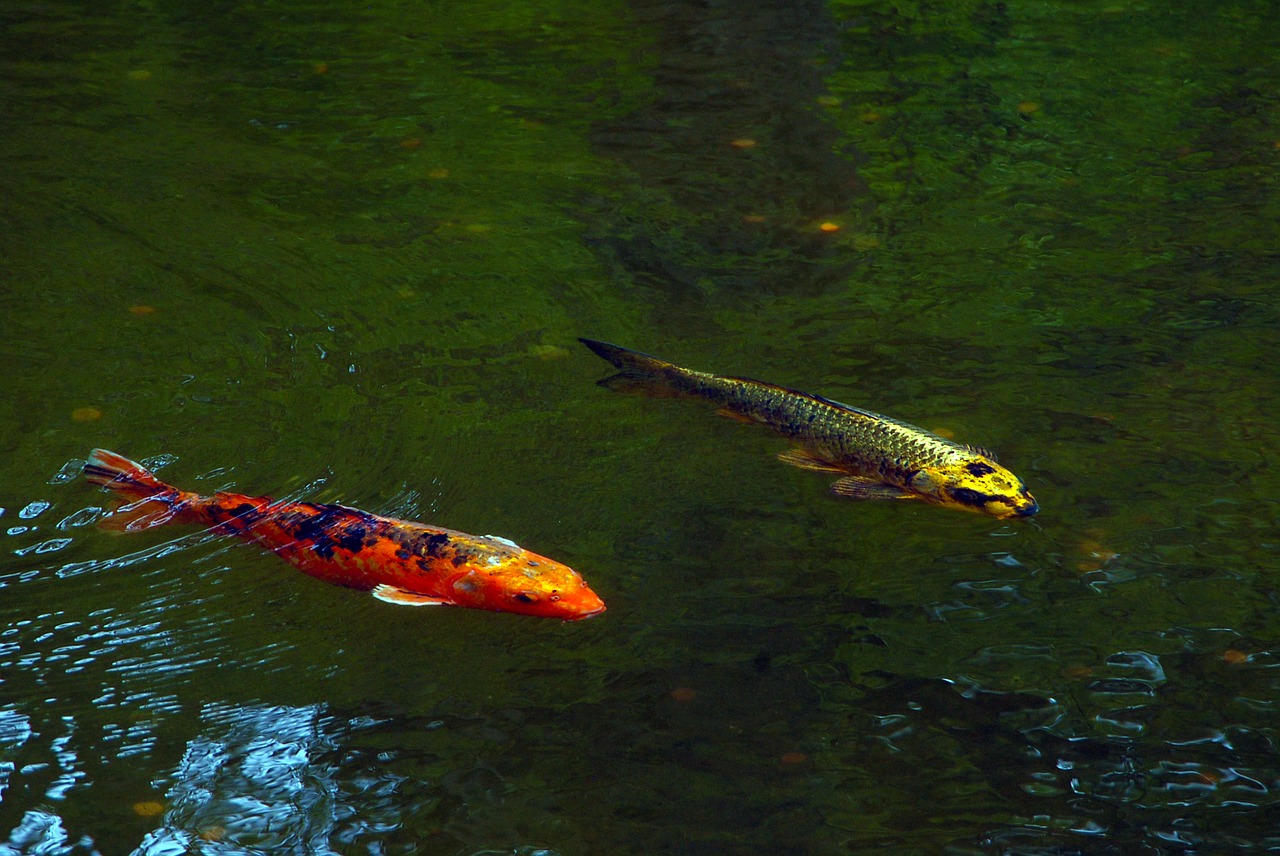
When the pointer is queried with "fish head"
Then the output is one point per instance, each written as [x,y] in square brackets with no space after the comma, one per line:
[507,578]
[976,483]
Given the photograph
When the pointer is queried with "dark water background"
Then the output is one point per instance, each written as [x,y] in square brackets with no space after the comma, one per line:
[343,251]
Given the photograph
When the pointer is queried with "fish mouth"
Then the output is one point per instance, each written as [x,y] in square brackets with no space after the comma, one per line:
[601,608]
[1027,510]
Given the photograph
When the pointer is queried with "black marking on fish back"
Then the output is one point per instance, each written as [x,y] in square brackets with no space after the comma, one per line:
[331,527]
[425,546]
[236,518]
[432,544]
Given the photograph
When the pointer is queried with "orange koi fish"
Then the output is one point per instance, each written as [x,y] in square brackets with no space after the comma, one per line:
[399,561]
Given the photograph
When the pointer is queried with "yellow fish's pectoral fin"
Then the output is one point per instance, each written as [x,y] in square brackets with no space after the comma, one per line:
[727,413]
[806,460]
[400,597]
[853,487]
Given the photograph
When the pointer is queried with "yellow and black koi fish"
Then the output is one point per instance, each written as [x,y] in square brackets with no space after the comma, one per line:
[401,562]
[878,457]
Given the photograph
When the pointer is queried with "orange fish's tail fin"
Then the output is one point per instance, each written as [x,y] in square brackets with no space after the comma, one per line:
[639,372]
[148,501]
[118,473]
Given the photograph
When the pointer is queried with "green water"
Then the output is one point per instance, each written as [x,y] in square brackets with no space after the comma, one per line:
[343,253]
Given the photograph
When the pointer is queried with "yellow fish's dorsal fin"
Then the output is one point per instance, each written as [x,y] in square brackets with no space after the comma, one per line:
[853,487]
[806,460]
[848,408]
[983,451]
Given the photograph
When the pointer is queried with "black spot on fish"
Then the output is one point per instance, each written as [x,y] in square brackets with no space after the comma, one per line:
[351,537]
[433,545]
[459,560]
[977,468]
[331,526]
[235,519]
[966,496]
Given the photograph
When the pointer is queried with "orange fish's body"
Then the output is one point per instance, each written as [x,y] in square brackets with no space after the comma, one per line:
[400,561]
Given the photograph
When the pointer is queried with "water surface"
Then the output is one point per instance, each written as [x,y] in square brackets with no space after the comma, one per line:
[344,254]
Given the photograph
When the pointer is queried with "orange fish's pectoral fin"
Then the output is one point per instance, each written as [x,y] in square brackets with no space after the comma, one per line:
[984,452]
[139,515]
[853,487]
[806,460]
[400,597]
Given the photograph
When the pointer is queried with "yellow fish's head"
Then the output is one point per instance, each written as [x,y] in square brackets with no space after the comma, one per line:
[504,577]
[975,484]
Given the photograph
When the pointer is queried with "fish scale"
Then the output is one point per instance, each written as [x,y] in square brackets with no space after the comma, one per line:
[880,457]
[843,430]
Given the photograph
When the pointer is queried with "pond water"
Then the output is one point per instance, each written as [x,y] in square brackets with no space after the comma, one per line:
[343,252]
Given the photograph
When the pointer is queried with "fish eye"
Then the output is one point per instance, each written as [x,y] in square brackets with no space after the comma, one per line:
[554,598]
[525,597]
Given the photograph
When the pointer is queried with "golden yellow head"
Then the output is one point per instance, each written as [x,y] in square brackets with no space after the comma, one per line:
[978,484]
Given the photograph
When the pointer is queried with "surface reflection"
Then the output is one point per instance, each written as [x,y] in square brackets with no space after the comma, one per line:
[253,780]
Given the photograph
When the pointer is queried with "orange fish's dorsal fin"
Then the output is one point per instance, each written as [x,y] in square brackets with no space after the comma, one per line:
[806,460]
[853,487]
[400,597]
[984,452]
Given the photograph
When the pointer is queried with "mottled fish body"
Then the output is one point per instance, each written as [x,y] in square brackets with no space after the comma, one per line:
[878,457]
[399,561]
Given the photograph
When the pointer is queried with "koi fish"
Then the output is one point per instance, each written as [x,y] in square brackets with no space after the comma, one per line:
[400,562]
[877,456]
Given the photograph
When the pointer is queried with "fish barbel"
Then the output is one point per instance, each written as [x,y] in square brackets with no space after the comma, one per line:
[878,457]
[401,562]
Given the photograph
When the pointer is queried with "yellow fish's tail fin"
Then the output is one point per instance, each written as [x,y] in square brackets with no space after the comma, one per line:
[639,372]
